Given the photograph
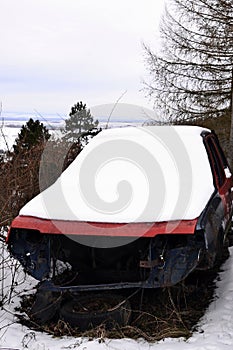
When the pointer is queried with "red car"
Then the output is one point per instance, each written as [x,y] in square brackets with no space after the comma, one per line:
[139,207]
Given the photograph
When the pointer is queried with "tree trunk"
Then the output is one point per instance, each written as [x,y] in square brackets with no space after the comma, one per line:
[230,149]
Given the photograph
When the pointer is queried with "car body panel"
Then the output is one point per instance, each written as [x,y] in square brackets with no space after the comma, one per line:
[104,229]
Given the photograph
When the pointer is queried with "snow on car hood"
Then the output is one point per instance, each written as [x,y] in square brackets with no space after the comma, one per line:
[132,174]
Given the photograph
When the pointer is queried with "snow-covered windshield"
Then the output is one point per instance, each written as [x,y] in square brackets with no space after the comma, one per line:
[132,174]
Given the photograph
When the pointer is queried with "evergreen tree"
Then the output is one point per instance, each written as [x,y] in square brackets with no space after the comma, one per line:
[30,135]
[80,125]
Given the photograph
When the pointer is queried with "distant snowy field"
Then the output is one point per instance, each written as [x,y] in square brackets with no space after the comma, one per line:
[113,115]
[7,137]
[8,134]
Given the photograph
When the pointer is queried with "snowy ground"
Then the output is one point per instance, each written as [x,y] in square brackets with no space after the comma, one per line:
[215,331]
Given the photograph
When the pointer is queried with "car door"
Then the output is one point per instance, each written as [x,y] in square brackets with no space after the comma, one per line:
[222,177]
[217,217]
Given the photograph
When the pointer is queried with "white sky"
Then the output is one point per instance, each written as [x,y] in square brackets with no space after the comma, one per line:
[57,52]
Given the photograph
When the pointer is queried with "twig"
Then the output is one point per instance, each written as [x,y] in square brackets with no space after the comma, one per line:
[50,125]
[175,309]
[113,108]
[1,128]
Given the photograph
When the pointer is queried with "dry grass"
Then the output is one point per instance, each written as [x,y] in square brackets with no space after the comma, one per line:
[169,312]
[19,182]
[27,173]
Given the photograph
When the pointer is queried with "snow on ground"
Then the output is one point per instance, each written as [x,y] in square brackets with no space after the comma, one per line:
[215,330]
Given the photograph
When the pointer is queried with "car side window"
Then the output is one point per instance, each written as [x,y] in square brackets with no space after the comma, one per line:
[217,160]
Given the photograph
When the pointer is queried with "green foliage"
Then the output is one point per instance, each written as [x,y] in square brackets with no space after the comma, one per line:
[30,135]
[80,125]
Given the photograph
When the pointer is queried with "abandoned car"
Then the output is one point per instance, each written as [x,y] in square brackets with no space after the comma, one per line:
[140,207]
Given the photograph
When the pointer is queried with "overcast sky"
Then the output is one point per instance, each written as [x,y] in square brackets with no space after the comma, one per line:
[57,52]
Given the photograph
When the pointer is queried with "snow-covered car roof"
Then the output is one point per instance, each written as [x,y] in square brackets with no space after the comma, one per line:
[132,174]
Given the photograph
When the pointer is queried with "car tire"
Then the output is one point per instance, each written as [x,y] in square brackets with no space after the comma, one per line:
[79,312]
[230,236]
[222,251]
[45,306]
